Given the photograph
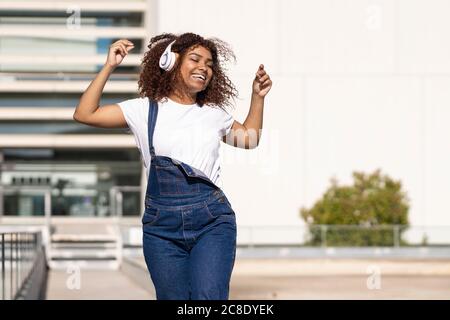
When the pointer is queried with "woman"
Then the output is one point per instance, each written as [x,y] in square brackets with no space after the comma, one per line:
[189,226]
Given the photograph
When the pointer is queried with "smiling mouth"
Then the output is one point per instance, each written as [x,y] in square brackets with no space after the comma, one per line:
[199,77]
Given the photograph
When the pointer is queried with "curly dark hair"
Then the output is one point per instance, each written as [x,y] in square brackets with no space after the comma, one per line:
[157,84]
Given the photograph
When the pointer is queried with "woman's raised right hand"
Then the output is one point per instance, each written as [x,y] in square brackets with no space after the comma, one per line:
[117,52]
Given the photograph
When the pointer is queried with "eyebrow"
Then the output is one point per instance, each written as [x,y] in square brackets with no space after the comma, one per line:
[200,56]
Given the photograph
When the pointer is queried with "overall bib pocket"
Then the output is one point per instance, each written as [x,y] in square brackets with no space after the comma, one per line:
[173,182]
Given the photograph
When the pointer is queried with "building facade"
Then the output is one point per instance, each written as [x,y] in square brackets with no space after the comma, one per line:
[50,165]
[357,86]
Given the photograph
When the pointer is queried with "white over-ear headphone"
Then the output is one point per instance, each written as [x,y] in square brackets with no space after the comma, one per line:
[168,58]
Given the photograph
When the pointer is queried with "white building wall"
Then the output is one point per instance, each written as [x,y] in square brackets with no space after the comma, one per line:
[357,85]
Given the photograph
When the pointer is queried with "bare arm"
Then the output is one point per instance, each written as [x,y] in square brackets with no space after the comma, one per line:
[247,135]
[88,110]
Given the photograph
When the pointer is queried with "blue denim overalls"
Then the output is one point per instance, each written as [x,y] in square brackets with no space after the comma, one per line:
[189,229]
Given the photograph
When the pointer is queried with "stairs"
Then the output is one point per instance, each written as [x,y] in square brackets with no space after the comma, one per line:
[86,244]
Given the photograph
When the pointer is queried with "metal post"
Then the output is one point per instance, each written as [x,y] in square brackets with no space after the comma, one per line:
[17,263]
[112,200]
[19,260]
[34,248]
[2,192]
[48,207]
[24,255]
[119,204]
[396,236]
[30,252]
[3,266]
[323,235]
[2,159]
[11,265]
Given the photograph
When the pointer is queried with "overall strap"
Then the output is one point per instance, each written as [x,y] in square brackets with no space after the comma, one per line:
[152,114]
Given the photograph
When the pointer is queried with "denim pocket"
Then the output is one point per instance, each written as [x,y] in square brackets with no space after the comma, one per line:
[220,207]
[169,173]
[172,181]
[151,215]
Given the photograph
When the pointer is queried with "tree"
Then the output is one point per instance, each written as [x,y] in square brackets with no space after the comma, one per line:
[374,202]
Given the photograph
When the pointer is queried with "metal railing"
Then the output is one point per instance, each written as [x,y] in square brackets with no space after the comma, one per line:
[325,236]
[355,235]
[23,266]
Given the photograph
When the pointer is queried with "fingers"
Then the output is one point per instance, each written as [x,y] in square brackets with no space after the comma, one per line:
[122,49]
[261,72]
[118,48]
[123,46]
[124,41]
[264,83]
[128,42]
[264,78]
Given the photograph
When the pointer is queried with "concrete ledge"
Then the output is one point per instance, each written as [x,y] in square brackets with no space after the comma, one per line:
[329,267]
[400,253]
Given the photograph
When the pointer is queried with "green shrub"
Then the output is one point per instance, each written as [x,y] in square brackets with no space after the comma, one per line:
[374,202]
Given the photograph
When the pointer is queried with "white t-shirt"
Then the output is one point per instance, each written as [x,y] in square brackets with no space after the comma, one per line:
[189,133]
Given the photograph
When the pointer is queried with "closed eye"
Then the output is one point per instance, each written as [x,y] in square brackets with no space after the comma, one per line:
[209,65]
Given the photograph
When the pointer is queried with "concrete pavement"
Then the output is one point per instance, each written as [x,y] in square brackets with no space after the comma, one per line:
[93,285]
[294,279]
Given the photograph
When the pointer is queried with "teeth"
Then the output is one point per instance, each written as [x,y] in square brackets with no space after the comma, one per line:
[199,76]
